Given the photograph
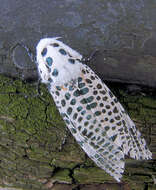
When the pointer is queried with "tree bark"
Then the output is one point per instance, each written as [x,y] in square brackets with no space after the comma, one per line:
[32,153]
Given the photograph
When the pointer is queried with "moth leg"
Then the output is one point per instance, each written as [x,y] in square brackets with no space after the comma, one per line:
[38,91]
[91,56]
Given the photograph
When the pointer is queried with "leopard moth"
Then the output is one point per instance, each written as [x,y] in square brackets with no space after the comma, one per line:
[92,113]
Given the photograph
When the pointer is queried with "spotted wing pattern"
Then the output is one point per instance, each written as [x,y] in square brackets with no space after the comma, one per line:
[90,110]
[99,123]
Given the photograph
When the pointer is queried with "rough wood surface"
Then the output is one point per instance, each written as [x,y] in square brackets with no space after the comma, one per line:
[125,29]
[31,136]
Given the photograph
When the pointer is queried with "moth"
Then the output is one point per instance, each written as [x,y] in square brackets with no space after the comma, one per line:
[92,113]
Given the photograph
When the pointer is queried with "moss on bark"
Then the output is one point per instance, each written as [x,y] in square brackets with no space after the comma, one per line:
[31,136]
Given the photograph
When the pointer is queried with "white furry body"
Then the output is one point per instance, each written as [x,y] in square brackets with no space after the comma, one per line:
[66,72]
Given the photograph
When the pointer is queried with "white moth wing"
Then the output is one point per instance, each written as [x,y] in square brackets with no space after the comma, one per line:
[136,140]
[127,136]
[108,135]
[108,157]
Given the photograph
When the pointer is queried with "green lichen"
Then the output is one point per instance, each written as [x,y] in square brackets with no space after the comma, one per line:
[91,175]
[32,132]
[62,176]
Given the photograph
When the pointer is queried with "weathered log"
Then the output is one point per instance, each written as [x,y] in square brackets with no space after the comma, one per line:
[32,132]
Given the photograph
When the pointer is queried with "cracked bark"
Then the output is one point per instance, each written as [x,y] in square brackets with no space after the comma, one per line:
[32,132]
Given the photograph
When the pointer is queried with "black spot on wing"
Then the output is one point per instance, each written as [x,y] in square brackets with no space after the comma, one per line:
[44,52]
[55,72]
[72,61]
[62,51]
[49,61]
[55,45]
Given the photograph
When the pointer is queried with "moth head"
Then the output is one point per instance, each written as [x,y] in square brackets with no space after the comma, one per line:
[57,63]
